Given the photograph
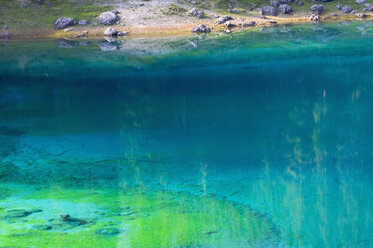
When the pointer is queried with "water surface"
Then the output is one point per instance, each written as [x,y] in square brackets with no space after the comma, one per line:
[253,139]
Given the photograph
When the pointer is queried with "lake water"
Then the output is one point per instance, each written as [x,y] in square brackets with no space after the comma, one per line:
[252,139]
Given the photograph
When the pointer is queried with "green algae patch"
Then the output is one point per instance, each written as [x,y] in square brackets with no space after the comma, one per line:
[108,217]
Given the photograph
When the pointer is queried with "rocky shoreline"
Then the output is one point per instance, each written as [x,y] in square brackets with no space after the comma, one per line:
[117,22]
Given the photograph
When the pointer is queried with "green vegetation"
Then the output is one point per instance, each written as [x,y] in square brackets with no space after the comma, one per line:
[247,5]
[28,14]
[132,218]
[173,9]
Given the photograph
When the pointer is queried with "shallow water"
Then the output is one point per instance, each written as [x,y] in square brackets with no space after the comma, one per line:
[254,139]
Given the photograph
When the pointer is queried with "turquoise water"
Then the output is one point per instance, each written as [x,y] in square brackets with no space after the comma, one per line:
[252,139]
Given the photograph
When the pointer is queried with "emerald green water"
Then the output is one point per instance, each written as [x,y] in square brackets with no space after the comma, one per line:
[252,139]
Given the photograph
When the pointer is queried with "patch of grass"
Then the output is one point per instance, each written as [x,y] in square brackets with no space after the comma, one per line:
[329,7]
[151,219]
[173,9]
[44,16]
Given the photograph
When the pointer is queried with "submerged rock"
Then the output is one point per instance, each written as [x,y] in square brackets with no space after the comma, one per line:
[19,213]
[202,28]
[108,231]
[64,22]
[317,8]
[73,221]
[285,8]
[268,10]
[108,18]
[10,131]
[42,227]
[66,222]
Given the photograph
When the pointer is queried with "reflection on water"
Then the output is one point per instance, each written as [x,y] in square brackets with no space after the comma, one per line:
[248,140]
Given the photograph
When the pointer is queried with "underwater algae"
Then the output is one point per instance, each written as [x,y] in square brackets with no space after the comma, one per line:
[107,217]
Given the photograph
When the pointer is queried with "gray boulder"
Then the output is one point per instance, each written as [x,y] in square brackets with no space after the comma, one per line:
[339,6]
[317,8]
[229,24]
[283,1]
[369,7]
[64,22]
[194,12]
[275,3]
[108,18]
[224,19]
[5,27]
[346,9]
[248,24]
[361,1]
[285,8]
[124,33]
[82,34]
[5,35]
[268,10]
[314,18]
[111,32]
[83,22]
[300,3]
[201,29]
[361,15]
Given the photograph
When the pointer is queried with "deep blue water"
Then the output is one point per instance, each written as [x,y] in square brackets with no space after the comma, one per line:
[278,120]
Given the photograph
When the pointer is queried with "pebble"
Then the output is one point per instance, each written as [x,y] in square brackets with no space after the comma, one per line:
[19,213]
